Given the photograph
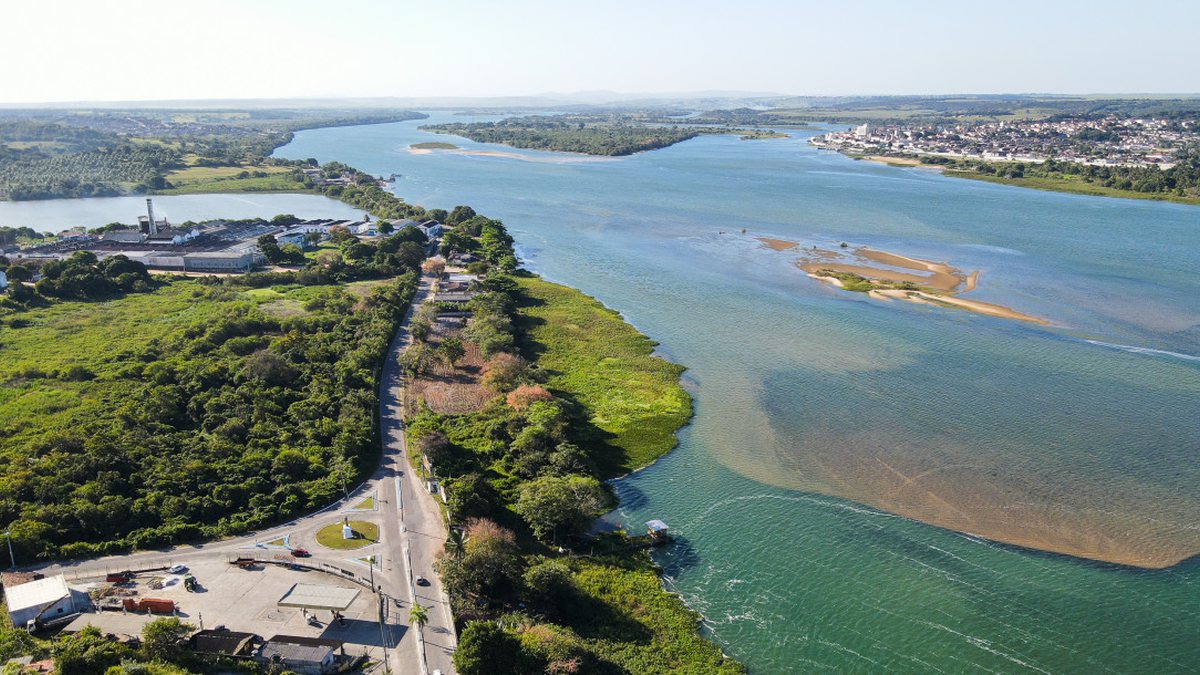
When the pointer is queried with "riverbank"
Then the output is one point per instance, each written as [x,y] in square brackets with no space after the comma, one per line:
[1002,174]
[578,397]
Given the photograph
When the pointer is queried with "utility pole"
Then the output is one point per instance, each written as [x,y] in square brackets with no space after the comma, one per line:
[12,558]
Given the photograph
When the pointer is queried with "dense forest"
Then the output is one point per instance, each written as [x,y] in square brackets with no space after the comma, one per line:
[50,154]
[589,134]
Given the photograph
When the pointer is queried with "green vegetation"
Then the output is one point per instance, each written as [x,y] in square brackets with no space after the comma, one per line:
[860,284]
[433,145]
[608,367]
[211,418]
[365,534]
[579,397]
[566,133]
[367,504]
[47,154]
[1180,183]
[198,180]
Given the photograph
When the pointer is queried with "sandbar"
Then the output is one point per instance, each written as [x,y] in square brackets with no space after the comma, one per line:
[940,285]
[778,244]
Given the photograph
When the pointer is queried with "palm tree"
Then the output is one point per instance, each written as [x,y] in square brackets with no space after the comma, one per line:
[418,615]
[456,544]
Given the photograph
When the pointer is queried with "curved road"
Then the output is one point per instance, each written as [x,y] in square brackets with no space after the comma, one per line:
[412,534]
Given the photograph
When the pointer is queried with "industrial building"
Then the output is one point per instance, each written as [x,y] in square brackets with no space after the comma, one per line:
[42,601]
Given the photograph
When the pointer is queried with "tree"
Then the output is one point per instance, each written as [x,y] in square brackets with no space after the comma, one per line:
[460,214]
[269,247]
[456,544]
[451,349]
[527,394]
[418,615]
[434,267]
[484,648]
[385,227]
[161,638]
[87,652]
[420,328]
[284,220]
[504,372]
[549,583]
[489,570]
[418,359]
[555,506]
[19,273]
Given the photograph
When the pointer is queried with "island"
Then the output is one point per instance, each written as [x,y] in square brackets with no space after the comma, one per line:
[612,135]
[888,276]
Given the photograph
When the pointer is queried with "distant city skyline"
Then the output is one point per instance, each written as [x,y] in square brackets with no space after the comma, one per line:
[136,50]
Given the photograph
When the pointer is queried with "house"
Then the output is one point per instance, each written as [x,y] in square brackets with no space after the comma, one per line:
[303,655]
[432,229]
[364,229]
[222,642]
[296,236]
[43,600]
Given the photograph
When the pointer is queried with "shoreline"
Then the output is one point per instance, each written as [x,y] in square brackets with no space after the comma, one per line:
[1043,183]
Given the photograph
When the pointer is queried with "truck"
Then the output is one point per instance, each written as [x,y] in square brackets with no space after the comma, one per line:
[151,605]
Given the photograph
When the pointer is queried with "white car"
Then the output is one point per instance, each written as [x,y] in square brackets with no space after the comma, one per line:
[177,569]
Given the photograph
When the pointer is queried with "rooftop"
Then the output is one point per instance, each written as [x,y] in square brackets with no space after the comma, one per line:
[36,593]
[319,596]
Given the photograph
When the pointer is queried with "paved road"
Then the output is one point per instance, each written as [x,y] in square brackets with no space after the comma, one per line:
[412,534]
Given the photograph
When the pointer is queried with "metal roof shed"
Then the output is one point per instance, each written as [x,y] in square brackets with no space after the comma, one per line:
[319,596]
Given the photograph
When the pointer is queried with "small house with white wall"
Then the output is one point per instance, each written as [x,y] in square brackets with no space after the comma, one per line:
[44,600]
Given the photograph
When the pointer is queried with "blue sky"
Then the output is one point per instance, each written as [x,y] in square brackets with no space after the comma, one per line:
[169,49]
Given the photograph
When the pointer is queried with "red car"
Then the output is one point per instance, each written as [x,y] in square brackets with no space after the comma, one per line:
[300,553]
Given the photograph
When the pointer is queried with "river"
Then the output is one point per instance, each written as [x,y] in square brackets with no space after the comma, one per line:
[853,465]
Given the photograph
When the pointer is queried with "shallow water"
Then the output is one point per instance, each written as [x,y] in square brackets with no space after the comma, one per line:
[55,215]
[822,414]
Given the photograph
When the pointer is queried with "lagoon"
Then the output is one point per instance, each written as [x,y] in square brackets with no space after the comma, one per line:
[850,492]
[55,215]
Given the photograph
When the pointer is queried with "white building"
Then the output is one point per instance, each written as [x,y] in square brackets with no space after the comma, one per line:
[43,600]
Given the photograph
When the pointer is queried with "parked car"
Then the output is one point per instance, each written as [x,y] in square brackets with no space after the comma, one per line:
[177,569]
[422,581]
[300,553]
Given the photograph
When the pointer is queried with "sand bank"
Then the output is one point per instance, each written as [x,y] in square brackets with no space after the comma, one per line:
[936,283]
[777,244]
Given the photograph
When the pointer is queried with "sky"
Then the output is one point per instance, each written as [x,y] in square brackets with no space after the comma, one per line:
[130,50]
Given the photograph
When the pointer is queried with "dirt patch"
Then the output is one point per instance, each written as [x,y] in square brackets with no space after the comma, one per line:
[450,390]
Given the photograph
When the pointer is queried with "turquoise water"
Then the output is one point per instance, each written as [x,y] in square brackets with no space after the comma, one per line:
[822,415]
[55,215]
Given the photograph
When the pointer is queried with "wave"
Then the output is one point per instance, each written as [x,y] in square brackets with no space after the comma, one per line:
[1144,350]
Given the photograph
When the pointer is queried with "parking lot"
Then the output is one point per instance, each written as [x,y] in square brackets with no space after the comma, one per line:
[245,600]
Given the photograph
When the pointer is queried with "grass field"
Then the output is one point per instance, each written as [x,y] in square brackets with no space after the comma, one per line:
[98,337]
[207,179]
[603,363]
[330,536]
[433,145]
